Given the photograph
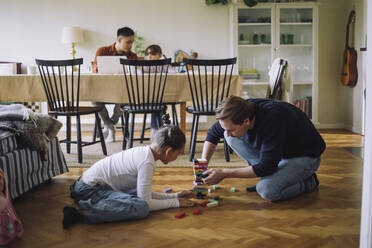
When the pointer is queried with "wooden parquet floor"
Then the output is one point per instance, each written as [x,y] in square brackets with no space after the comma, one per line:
[329,217]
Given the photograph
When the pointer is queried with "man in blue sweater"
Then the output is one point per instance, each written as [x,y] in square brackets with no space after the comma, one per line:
[278,141]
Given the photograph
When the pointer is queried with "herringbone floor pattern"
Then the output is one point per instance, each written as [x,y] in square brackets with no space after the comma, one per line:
[329,217]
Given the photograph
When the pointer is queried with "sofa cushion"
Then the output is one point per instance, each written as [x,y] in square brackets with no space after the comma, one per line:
[8,142]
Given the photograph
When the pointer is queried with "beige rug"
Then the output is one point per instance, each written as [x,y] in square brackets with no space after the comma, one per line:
[93,153]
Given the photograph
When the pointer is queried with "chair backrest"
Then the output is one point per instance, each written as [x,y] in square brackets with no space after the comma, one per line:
[179,67]
[276,87]
[209,81]
[145,82]
[61,83]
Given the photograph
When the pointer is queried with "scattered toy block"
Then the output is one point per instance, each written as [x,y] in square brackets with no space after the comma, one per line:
[201,192]
[213,204]
[180,215]
[217,198]
[211,200]
[167,190]
[204,203]
[215,187]
[156,173]
[196,211]
[233,190]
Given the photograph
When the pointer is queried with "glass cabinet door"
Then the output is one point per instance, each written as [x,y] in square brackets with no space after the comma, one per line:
[295,39]
[254,43]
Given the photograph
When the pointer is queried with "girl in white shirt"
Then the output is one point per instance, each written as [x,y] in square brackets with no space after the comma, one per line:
[118,187]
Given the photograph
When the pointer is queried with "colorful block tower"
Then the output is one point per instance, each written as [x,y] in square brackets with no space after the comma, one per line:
[199,166]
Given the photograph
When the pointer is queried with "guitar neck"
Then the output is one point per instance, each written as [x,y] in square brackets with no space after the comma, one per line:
[347,37]
[350,20]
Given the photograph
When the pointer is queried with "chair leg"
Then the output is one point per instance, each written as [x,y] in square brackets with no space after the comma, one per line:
[78,143]
[226,149]
[122,124]
[175,117]
[160,121]
[143,128]
[101,138]
[95,130]
[131,132]
[192,132]
[194,138]
[68,134]
[125,132]
[231,150]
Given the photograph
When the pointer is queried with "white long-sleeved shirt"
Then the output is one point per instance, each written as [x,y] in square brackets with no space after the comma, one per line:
[128,170]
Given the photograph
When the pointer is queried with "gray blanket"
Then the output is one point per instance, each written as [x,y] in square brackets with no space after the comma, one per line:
[33,130]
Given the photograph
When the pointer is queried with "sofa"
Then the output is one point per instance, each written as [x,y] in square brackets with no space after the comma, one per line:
[25,168]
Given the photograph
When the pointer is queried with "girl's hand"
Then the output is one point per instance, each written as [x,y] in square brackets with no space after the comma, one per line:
[185,194]
[184,203]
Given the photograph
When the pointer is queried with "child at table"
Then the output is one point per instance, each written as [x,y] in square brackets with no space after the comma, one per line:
[118,187]
[154,52]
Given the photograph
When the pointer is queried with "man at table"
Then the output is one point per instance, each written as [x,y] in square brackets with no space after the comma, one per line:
[279,142]
[121,47]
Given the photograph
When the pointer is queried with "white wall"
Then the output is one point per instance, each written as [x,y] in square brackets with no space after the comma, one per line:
[339,106]
[354,97]
[34,27]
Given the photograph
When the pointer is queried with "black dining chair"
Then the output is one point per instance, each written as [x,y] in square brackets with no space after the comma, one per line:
[209,83]
[61,83]
[145,82]
[179,68]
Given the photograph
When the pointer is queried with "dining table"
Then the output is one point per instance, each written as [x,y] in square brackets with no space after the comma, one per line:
[108,88]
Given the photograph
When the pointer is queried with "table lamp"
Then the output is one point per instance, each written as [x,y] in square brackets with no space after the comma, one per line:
[72,35]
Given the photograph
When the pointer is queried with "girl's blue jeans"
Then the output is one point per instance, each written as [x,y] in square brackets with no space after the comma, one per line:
[100,203]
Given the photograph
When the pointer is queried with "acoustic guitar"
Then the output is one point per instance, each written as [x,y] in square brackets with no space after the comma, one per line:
[349,73]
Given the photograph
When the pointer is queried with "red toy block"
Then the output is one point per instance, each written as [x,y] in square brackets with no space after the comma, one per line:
[196,211]
[180,215]
[204,203]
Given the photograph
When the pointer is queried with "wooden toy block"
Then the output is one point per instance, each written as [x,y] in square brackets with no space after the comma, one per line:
[233,190]
[180,215]
[204,203]
[212,204]
[196,211]
[215,187]
[199,166]
[217,198]
[156,173]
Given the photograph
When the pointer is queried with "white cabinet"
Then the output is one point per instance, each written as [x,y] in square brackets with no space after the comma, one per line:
[271,30]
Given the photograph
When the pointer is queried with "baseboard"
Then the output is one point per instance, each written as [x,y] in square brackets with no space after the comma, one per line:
[357,130]
[331,126]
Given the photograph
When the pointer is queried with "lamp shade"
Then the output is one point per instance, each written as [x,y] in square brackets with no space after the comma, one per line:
[72,35]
